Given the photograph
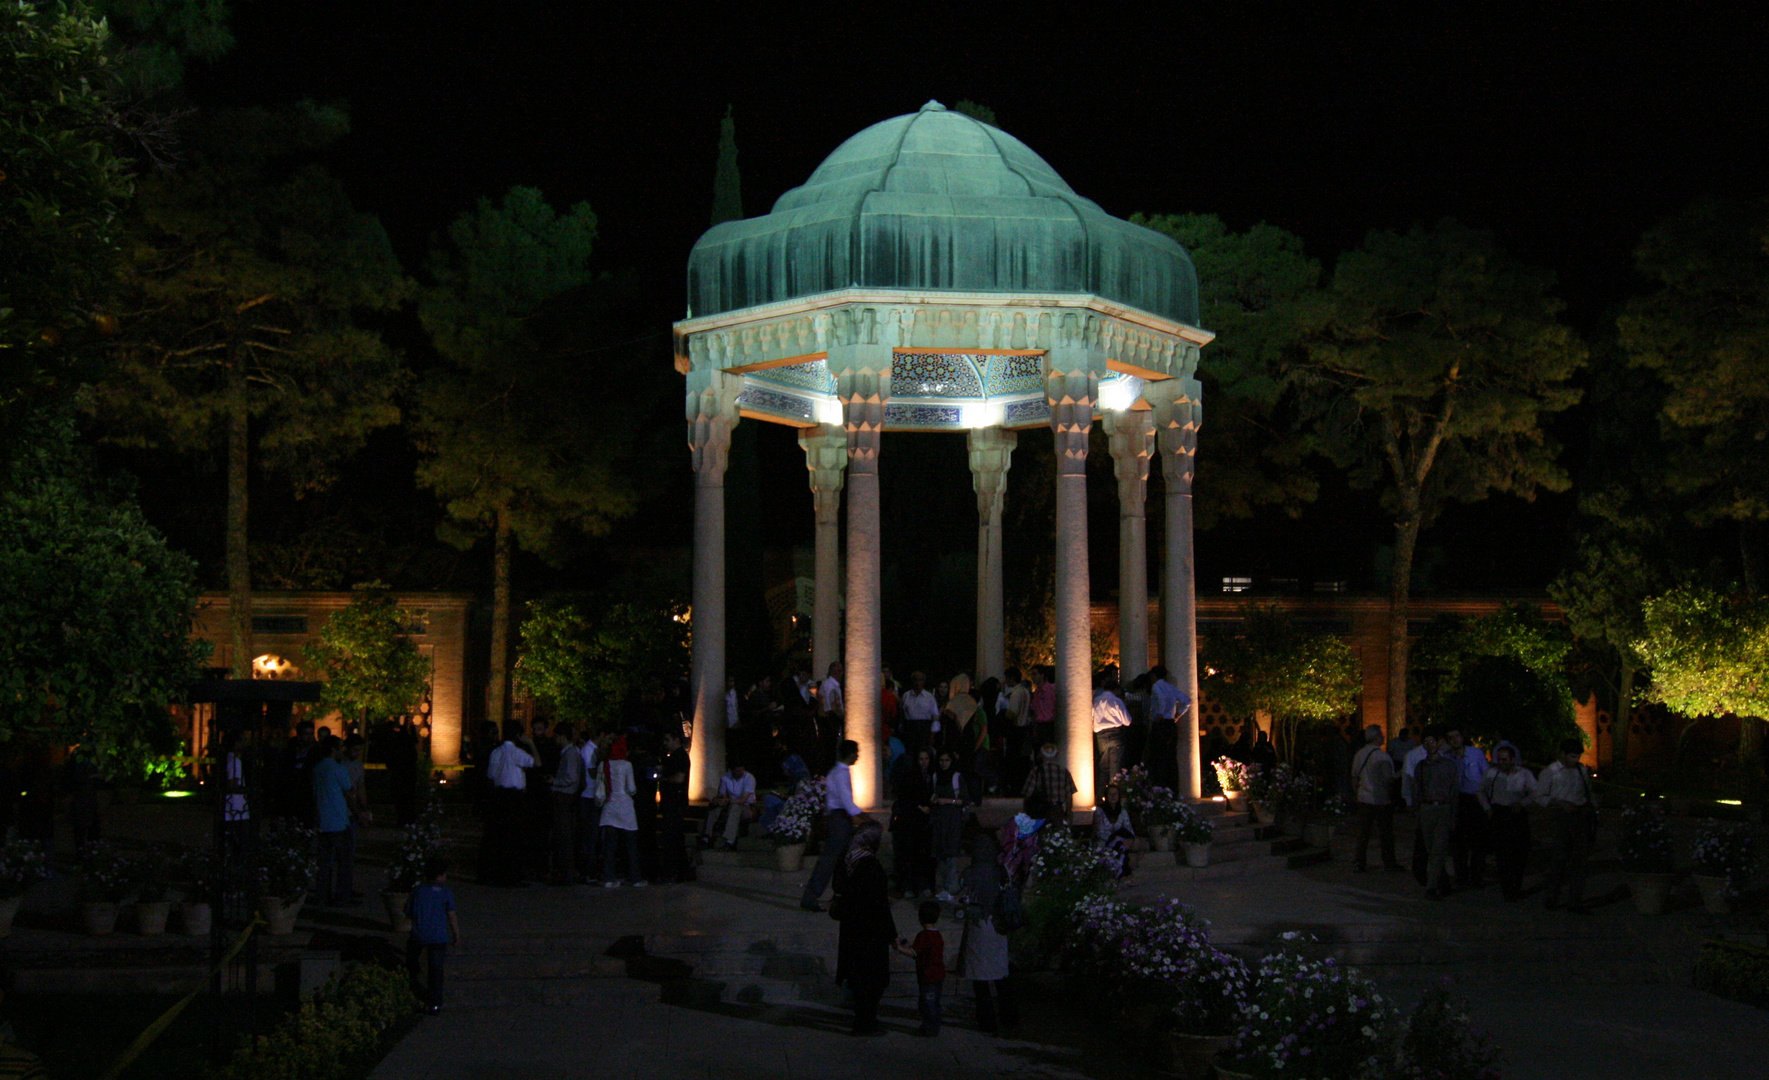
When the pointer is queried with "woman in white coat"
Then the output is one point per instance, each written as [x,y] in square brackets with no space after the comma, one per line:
[620,820]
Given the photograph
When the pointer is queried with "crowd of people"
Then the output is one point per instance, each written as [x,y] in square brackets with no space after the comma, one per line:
[1467,807]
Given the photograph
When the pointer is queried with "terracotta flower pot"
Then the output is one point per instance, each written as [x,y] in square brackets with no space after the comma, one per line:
[1714,896]
[8,912]
[196,917]
[1237,801]
[788,857]
[100,916]
[1649,891]
[279,914]
[394,902]
[150,916]
[1195,855]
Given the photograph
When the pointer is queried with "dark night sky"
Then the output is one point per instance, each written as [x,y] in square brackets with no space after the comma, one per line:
[1567,129]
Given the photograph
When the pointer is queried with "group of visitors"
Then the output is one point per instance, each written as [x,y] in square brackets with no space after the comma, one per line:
[1466,807]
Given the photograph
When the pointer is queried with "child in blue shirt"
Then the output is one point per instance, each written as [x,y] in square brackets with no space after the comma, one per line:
[434,928]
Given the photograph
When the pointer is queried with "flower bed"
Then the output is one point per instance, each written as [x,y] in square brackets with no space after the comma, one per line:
[798,818]
[1728,851]
[1311,1018]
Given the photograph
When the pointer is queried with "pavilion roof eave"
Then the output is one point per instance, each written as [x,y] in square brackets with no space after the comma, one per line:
[861,295]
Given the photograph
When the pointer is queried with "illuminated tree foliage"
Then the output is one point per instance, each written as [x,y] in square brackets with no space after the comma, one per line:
[1501,675]
[590,662]
[1440,361]
[95,609]
[372,669]
[1272,665]
[523,439]
[1709,652]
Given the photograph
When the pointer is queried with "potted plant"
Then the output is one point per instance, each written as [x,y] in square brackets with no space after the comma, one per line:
[107,878]
[791,828]
[153,888]
[284,869]
[196,881]
[1231,777]
[1312,1015]
[23,863]
[1725,858]
[1194,832]
[1161,811]
[1326,821]
[1644,847]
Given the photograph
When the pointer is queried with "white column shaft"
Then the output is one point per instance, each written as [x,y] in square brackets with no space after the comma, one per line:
[712,412]
[1178,414]
[1071,397]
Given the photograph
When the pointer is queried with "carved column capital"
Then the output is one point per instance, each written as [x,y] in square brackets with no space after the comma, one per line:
[712,413]
[1131,437]
[991,452]
[1071,398]
[826,456]
[1178,413]
[863,385]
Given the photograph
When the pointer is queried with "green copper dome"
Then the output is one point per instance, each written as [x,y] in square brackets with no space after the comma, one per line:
[938,201]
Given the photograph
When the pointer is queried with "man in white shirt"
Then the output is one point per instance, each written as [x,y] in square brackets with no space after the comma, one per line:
[921,711]
[733,803]
[1166,704]
[842,813]
[1111,727]
[1565,789]
[1372,771]
[506,768]
[1505,794]
[831,708]
[1016,717]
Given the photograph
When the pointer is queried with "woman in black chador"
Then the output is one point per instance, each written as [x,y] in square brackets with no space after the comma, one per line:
[863,904]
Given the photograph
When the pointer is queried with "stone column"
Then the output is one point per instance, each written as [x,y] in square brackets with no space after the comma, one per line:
[712,413]
[826,456]
[863,383]
[1132,436]
[1178,410]
[991,452]
[1071,386]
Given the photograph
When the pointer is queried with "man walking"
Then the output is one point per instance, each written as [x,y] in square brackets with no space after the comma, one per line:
[1434,791]
[842,813]
[1505,795]
[1372,774]
[1565,789]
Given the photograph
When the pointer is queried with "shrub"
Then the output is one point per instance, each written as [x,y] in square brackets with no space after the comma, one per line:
[1735,971]
[1158,959]
[1645,840]
[340,1033]
[106,874]
[1311,1019]
[1439,1044]
[1728,851]
[23,863]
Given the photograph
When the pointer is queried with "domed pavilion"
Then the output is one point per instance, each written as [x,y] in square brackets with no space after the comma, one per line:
[935,274]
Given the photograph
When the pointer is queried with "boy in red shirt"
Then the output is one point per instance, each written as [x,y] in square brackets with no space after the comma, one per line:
[929,950]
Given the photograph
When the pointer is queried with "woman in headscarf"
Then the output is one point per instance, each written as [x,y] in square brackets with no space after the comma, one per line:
[912,782]
[1112,831]
[620,819]
[863,950]
[948,800]
[962,722]
[983,951]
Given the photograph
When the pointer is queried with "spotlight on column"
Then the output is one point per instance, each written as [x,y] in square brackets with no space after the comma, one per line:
[981,414]
[829,411]
[1117,395]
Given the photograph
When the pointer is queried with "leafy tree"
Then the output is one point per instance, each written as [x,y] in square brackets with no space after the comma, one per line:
[64,178]
[1275,666]
[1709,651]
[95,609]
[590,661]
[247,338]
[372,669]
[1705,332]
[1500,675]
[1261,295]
[523,440]
[1440,360]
